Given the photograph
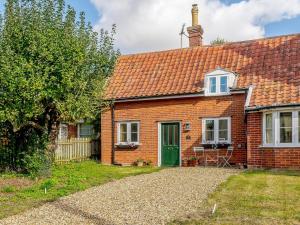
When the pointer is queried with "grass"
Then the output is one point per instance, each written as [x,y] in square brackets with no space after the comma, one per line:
[253,197]
[65,179]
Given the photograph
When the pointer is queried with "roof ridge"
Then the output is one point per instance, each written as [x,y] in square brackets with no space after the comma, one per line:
[208,46]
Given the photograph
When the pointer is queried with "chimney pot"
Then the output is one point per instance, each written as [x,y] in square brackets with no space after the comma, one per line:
[195,31]
[195,14]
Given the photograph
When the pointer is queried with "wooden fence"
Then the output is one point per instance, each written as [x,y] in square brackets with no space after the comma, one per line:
[76,149]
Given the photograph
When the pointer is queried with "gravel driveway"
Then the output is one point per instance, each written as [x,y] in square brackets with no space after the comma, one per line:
[148,199]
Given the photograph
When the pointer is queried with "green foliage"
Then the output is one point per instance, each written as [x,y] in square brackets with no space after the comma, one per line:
[37,164]
[252,197]
[218,41]
[8,189]
[65,179]
[53,67]
[48,184]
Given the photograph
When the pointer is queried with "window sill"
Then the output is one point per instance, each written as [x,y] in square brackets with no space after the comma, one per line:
[218,94]
[279,146]
[218,145]
[127,146]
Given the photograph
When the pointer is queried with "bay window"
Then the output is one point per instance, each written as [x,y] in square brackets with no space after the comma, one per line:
[281,128]
[216,130]
[128,133]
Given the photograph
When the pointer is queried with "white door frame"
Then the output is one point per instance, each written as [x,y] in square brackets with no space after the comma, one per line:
[159,141]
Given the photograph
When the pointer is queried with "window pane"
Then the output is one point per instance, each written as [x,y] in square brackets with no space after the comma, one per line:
[123,132]
[298,126]
[210,124]
[171,135]
[86,130]
[134,137]
[134,127]
[123,137]
[209,130]
[223,135]
[63,131]
[269,121]
[269,136]
[134,132]
[209,135]
[286,119]
[269,129]
[286,131]
[223,124]
[123,128]
[285,135]
[224,85]
[165,135]
[213,85]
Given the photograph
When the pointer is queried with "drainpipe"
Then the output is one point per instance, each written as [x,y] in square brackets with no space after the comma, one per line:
[113,133]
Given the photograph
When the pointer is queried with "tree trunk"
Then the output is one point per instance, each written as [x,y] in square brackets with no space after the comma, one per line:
[53,128]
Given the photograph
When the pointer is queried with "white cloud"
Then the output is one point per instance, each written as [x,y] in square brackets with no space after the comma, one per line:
[150,25]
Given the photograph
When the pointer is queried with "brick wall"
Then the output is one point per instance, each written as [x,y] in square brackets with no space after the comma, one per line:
[259,157]
[150,113]
[72,131]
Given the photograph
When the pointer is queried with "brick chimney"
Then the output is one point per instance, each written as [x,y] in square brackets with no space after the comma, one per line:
[195,31]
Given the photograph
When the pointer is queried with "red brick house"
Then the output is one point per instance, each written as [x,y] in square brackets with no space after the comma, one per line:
[240,94]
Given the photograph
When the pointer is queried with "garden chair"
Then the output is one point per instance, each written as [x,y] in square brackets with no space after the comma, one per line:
[224,159]
[199,150]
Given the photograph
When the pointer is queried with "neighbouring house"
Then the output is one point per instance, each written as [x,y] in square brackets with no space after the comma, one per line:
[241,94]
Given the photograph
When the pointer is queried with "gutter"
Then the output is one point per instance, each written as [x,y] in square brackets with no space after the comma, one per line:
[113,133]
[178,96]
[261,108]
[248,98]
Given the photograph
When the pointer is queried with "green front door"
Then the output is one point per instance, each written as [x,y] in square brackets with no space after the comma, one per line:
[170,144]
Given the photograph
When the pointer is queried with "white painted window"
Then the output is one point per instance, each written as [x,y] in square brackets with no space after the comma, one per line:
[63,131]
[85,130]
[216,130]
[219,82]
[281,128]
[218,85]
[128,132]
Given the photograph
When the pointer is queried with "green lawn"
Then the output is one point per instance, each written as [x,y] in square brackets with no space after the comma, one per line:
[257,197]
[18,193]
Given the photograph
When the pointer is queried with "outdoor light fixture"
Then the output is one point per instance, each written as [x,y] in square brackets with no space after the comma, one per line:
[187,126]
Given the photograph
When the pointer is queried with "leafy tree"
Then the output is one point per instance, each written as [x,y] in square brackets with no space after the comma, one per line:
[53,67]
[218,41]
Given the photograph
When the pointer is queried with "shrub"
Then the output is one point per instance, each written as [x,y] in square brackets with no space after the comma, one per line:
[37,164]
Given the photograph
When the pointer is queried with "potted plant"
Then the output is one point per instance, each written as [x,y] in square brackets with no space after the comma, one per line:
[192,161]
[140,162]
[184,162]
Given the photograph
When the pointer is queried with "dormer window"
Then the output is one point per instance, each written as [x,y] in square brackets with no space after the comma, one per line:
[218,82]
[223,84]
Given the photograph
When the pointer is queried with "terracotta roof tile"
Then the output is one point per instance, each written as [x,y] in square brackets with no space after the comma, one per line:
[272,65]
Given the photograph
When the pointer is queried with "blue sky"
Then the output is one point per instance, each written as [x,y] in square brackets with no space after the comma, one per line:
[278,19]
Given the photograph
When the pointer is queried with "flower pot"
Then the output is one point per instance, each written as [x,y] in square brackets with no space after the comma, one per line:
[192,162]
[184,163]
[140,163]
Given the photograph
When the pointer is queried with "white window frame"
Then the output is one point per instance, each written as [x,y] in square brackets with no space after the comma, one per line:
[128,124]
[216,130]
[218,85]
[276,129]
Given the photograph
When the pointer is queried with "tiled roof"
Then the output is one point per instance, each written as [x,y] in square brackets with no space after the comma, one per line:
[272,65]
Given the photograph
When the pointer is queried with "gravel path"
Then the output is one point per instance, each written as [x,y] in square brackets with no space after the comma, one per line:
[148,199]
